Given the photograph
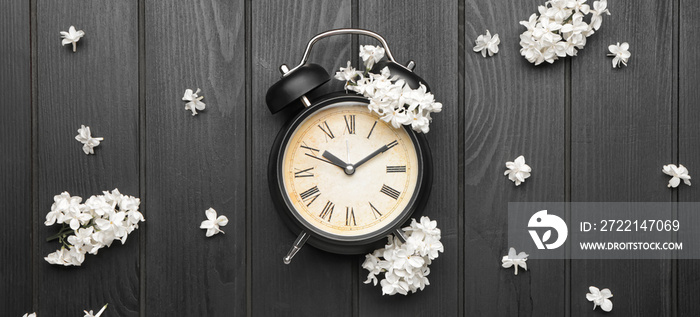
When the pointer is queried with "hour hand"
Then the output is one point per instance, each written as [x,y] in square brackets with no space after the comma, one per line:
[349,169]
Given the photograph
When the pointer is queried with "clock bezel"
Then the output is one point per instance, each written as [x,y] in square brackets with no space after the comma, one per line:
[333,242]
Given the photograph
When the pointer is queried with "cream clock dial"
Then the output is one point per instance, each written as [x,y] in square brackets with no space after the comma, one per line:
[348,173]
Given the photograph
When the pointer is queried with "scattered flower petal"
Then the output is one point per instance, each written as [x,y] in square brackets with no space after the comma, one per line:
[620,53]
[195,102]
[405,265]
[213,223]
[677,174]
[72,36]
[600,298]
[518,171]
[513,259]
[486,43]
[89,314]
[29,315]
[84,136]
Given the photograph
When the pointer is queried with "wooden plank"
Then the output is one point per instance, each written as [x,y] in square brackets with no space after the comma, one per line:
[688,144]
[621,132]
[96,86]
[195,162]
[316,283]
[15,167]
[433,46]
[508,113]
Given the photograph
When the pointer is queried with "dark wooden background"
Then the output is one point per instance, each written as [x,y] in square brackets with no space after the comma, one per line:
[590,132]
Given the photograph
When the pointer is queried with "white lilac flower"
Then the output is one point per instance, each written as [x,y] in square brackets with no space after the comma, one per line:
[389,96]
[85,137]
[485,43]
[90,226]
[371,55]
[518,171]
[677,174]
[213,223]
[600,298]
[405,265]
[620,54]
[516,260]
[347,74]
[72,36]
[90,314]
[195,101]
[560,29]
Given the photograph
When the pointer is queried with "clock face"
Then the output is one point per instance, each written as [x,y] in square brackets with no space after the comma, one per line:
[348,173]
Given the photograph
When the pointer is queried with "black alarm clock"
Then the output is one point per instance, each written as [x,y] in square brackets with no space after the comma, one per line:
[341,178]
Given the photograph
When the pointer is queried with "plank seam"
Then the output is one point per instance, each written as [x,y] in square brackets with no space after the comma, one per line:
[142,149]
[675,306]
[247,7]
[355,265]
[461,179]
[567,180]
[34,264]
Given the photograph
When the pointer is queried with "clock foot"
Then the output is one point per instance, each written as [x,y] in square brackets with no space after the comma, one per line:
[298,243]
[399,234]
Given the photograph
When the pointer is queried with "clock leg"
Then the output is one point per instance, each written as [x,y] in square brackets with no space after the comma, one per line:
[298,243]
[399,233]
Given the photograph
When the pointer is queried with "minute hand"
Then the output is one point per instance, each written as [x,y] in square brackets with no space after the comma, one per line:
[371,155]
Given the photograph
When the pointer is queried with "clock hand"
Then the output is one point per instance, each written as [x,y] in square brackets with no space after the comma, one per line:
[349,169]
[323,160]
[382,149]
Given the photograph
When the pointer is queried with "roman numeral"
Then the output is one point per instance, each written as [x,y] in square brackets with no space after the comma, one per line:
[310,194]
[314,152]
[392,144]
[327,211]
[393,193]
[375,212]
[328,132]
[395,169]
[350,123]
[303,173]
[370,131]
[350,216]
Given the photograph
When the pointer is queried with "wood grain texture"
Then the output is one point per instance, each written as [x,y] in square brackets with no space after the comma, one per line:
[195,162]
[97,87]
[688,145]
[432,46]
[316,283]
[509,112]
[622,127]
[16,162]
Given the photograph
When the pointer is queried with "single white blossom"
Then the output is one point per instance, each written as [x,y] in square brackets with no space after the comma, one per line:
[405,264]
[72,36]
[213,223]
[371,55]
[620,53]
[677,174]
[90,314]
[85,137]
[195,101]
[600,298]
[486,43]
[347,74]
[599,8]
[516,260]
[29,315]
[518,171]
